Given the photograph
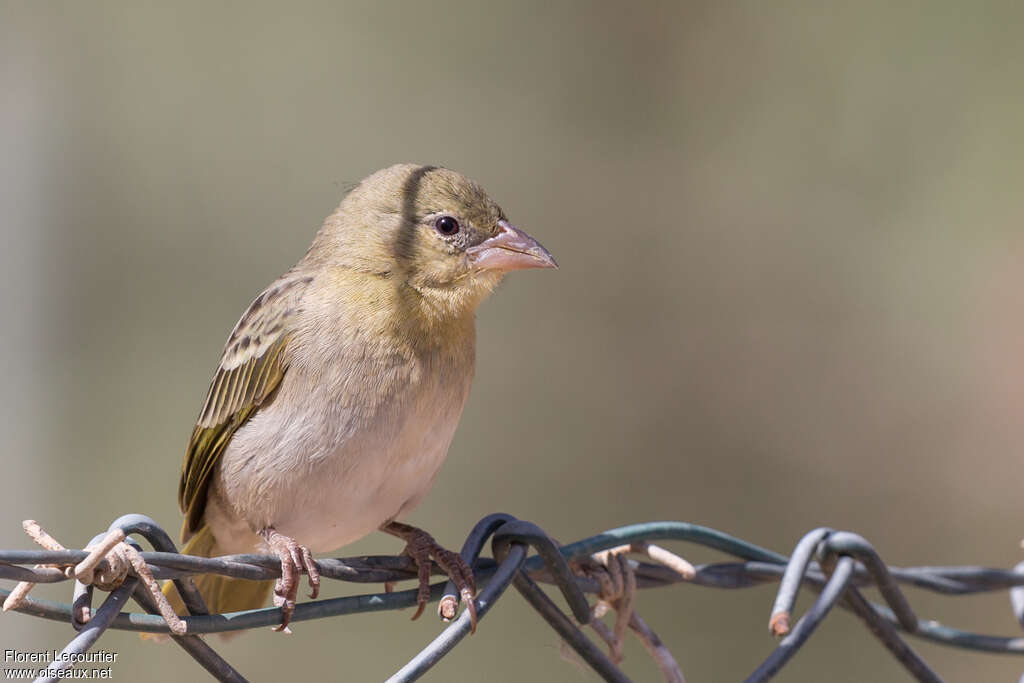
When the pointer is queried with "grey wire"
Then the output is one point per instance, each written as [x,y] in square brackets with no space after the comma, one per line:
[583,646]
[799,561]
[851,558]
[474,543]
[830,595]
[1017,597]
[883,628]
[216,665]
[525,532]
[91,632]
[460,627]
[846,543]
[158,538]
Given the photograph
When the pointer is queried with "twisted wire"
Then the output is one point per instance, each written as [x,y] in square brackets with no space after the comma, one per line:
[836,564]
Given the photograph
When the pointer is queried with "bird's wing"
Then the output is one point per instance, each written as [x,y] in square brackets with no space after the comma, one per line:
[251,368]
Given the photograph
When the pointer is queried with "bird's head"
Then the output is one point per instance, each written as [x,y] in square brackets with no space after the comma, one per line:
[430,229]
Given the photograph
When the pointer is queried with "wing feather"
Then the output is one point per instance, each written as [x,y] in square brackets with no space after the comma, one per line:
[252,366]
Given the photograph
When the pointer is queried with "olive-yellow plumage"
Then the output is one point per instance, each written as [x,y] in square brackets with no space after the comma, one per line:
[339,390]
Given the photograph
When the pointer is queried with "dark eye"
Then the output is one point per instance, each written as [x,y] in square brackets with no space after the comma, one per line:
[446,225]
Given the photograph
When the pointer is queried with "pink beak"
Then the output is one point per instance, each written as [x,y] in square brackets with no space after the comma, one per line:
[510,249]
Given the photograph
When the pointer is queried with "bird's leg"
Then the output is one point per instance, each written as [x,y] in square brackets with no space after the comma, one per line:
[295,560]
[421,547]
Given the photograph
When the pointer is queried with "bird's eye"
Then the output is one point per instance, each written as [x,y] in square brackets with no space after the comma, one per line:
[446,225]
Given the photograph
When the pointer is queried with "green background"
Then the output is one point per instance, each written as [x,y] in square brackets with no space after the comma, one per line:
[790,288]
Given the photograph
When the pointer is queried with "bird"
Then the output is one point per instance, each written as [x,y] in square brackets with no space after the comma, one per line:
[339,390]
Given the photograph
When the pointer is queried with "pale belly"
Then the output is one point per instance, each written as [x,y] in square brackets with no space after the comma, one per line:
[328,477]
[351,493]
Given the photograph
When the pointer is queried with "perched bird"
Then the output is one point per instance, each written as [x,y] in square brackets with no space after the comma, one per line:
[340,388]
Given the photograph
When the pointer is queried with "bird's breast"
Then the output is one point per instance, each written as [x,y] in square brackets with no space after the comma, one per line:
[341,450]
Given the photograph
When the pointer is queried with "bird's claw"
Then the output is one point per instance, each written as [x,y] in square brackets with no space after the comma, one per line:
[423,549]
[295,560]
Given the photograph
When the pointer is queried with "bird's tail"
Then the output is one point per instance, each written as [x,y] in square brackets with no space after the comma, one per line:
[221,593]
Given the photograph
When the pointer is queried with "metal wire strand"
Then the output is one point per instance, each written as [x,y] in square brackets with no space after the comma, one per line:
[846,543]
[158,538]
[91,632]
[460,627]
[471,549]
[845,562]
[830,595]
[799,561]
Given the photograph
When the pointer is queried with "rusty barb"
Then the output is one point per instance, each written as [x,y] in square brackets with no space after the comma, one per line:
[598,578]
[110,561]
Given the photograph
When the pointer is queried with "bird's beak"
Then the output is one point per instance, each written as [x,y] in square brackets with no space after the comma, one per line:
[510,249]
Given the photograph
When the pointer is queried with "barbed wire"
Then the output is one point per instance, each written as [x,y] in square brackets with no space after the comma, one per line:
[836,564]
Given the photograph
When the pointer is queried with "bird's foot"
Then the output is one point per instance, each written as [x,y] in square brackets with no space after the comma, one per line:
[422,548]
[295,560]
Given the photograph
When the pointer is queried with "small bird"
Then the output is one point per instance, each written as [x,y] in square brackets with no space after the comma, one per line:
[340,388]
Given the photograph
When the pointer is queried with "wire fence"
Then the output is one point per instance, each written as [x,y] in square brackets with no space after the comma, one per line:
[835,564]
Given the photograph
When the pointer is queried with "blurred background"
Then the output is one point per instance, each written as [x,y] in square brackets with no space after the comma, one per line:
[790,294]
